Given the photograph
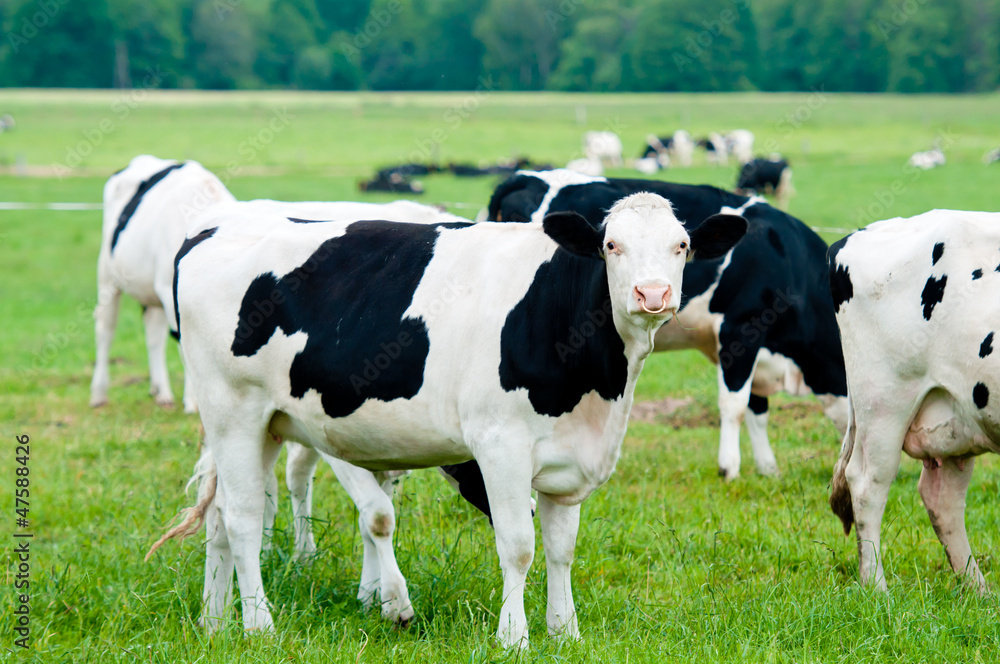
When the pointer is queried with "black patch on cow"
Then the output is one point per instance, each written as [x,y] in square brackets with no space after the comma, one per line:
[133,202]
[758,405]
[997,268]
[986,347]
[307,221]
[841,287]
[359,344]
[775,240]
[980,395]
[937,253]
[188,244]
[471,485]
[559,342]
[977,274]
[932,294]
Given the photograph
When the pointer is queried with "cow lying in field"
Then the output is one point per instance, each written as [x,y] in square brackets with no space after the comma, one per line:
[147,208]
[763,314]
[916,304]
[499,379]
[766,176]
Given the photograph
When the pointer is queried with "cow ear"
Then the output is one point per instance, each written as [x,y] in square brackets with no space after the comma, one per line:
[715,236]
[573,232]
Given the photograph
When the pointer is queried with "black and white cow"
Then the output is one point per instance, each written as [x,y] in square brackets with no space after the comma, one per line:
[766,176]
[916,304]
[147,208]
[335,334]
[763,314]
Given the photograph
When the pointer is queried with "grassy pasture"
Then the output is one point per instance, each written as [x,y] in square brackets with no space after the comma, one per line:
[671,564]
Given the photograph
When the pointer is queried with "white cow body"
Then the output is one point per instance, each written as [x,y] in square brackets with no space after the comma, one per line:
[146,226]
[927,160]
[739,143]
[253,389]
[917,311]
[603,146]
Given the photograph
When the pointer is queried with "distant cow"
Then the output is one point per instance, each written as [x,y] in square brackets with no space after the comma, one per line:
[992,157]
[502,379]
[677,149]
[916,302]
[147,208]
[716,149]
[739,143]
[392,182]
[766,176]
[763,315]
[927,160]
[603,146]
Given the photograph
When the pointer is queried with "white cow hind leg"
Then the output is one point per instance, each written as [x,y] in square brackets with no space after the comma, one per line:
[299,472]
[377,520]
[218,593]
[943,486]
[155,321]
[870,472]
[756,423]
[560,524]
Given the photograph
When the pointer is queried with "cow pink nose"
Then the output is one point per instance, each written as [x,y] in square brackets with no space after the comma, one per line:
[652,299]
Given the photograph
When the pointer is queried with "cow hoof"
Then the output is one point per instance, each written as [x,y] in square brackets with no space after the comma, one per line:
[165,403]
[727,475]
[768,470]
[97,403]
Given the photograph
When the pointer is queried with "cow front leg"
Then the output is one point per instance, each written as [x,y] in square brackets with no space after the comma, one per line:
[377,521]
[560,524]
[507,476]
[155,321]
[870,472]
[756,423]
[105,321]
[732,408]
[943,486]
[299,472]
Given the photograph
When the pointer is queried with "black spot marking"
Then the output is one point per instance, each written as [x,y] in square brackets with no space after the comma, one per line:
[932,294]
[133,202]
[980,395]
[775,240]
[997,268]
[986,347]
[307,221]
[471,485]
[977,274]
[574,348]
[186,247]
[359,345]
[758,405]
[937,253]
[841,287]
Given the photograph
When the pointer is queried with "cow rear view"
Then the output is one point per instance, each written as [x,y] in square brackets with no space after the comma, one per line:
[916,305]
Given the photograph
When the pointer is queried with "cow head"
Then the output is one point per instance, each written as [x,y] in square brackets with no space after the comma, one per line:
[645,248]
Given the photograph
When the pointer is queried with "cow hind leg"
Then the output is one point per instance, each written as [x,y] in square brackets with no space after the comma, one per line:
[155,321]
[734,399]
[299,471]
[377,519]
[943,486]
[756,423]
[105,321]
[219,567]
[872,468]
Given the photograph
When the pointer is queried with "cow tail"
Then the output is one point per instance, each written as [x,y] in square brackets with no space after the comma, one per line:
[193,517]
[840,494]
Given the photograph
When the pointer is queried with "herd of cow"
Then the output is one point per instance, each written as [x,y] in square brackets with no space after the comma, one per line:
[387,337]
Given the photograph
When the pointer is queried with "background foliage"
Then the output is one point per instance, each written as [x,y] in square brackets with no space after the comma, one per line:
[578,45]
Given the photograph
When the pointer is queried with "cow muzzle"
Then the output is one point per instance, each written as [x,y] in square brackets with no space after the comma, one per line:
[652,299]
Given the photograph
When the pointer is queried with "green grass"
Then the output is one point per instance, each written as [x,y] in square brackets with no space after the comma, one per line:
[672,564]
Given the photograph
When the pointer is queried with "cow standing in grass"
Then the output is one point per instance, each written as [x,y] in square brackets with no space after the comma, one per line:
[530,372]
[147,208]
[762,314]
[917,307]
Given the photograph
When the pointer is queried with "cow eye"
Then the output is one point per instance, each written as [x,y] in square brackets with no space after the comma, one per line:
[684,245]
[610,246]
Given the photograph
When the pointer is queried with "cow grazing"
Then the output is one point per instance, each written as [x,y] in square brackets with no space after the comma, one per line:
[716,149]
[927,160]
[499,379]
[767,176]
[676,150]
[915,302]
[604,147]
[147,208]
[763,314]
[739,143]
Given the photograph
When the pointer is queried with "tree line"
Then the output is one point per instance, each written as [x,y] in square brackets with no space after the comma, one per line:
[571,45]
